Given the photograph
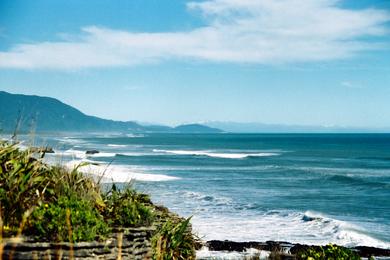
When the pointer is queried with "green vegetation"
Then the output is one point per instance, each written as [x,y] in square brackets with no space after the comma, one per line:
[52,203]
[49,221]
[173,242]
[329,252]
[127,208]
[34,197]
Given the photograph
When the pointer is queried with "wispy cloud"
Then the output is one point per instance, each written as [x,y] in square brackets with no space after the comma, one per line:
[349,84]
[238,31]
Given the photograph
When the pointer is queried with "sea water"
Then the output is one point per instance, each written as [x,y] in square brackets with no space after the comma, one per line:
[303,188]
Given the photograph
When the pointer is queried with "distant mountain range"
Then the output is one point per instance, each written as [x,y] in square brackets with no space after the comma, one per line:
[235,127]
[45,114]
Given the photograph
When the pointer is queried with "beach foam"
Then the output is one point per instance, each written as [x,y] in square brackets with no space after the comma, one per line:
[216,154]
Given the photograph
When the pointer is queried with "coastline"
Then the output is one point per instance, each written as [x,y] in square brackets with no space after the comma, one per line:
[110,149]
[231,250]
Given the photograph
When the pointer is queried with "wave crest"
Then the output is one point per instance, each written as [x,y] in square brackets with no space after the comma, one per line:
[216,154]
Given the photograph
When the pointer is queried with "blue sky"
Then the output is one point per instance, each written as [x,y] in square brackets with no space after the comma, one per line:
[323,62]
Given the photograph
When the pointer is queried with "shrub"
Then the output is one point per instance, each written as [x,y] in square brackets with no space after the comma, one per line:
[127,209]
[331,252]
[173,242]
[49,221]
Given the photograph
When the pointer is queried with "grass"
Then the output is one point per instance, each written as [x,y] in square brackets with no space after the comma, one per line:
[56,204]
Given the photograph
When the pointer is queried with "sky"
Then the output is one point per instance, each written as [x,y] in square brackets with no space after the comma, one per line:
[301,62]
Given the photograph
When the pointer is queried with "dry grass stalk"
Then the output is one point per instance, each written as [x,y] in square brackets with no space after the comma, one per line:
[69,224]
[120,242]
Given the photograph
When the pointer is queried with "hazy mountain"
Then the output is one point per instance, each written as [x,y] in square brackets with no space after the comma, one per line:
[235,127]
[49,114]
[196,128]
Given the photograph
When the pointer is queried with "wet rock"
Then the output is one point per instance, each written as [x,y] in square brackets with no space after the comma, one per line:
[366,251]
[92,152]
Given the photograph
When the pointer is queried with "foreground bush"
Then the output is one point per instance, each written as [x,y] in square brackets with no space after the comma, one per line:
[126,209]
[330,252]
[68,219]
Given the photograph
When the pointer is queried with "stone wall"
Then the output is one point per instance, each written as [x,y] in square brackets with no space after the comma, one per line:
[130,243]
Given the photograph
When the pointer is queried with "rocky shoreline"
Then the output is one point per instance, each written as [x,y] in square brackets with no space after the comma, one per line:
[285,249]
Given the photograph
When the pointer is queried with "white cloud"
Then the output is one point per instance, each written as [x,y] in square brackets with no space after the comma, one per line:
[349,84]
[238,31]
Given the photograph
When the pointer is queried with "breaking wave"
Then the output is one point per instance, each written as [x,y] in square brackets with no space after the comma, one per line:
[216,154]
[116,173]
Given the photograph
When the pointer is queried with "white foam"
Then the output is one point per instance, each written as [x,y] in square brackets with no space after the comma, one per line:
[116,173]
[133,154]
[295,227]
[79,154]
[22,147]
[70,140]
[135,135]
[201,197]
[73,153]
[216,155]
[205,253]
[117,145]
[101,154]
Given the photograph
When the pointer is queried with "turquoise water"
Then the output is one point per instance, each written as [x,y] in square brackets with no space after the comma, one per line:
[308,188]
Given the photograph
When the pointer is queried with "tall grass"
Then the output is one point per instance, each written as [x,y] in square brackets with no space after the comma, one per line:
[22,184]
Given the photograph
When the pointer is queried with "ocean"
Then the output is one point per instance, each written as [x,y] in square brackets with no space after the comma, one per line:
[301,188]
